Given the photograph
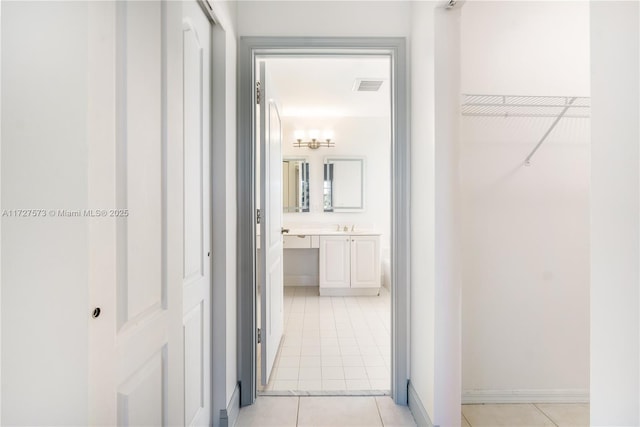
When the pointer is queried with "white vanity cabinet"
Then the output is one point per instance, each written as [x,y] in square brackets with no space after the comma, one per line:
[349,265]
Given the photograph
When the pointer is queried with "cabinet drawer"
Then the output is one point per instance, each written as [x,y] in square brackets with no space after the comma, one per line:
[295,241]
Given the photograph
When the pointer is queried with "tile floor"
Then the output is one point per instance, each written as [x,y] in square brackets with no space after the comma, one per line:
[325,411]
[333,343]
[526,415]
[381,411]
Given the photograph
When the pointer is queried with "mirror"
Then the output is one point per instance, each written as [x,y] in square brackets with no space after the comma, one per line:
[343,184]
[295,185]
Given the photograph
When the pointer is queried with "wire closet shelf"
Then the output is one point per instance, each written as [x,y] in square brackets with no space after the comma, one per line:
[556,107]
[526,106]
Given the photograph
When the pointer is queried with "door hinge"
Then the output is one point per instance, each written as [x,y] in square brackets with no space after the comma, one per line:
[258,92]
[258,216]
[259,335]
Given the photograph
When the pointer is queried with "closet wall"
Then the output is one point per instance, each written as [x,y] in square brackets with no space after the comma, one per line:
[525,229]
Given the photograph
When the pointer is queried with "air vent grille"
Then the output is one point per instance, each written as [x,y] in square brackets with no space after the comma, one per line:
[367,85]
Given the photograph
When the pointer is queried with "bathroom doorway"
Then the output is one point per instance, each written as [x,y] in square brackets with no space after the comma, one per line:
[365,342]
[331,118]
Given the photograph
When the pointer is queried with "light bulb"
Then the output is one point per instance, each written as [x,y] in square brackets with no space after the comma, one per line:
[314,134]
[299,134]
[328,134]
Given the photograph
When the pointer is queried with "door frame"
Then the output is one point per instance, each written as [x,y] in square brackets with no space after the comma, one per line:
[395,48]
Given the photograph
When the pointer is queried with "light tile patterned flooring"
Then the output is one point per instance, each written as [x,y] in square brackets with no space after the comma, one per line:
[325,411]
[333,343]
[526,415]
[381,411]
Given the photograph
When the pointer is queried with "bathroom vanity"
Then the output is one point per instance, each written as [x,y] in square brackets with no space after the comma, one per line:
[349,262]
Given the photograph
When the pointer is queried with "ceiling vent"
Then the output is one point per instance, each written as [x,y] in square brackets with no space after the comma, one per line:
[367,85]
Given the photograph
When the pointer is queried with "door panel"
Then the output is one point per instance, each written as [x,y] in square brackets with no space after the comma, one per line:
[143,340]
[272,291]
[194,376]
[197,214]
[335,262]
[142,399]
[136,346]
[365,261]
[141,284]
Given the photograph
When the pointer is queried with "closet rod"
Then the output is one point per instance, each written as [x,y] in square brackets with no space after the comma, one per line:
[527,161]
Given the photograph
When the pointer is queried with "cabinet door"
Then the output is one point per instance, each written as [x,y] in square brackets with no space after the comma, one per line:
[335,261]
[365,261]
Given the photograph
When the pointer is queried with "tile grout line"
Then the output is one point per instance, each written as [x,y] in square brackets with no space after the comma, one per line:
[379,413]
[465,418]
[543,413]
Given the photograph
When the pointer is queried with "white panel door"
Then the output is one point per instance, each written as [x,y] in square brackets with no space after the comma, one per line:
[135,154]
[196,39]
[335,261]
[365,261]
[272,290]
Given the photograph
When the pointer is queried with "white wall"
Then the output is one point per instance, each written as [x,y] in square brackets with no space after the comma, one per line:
[44,260]
[615,219]
[506,42]
[435,285]
[322,18]
[422,293]
[224,308]
[525,229]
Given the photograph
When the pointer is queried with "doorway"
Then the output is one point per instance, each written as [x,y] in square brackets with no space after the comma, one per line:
[251,49]
[327,140]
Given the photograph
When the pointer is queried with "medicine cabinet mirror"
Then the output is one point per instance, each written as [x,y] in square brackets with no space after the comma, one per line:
[343,184]
[295,185]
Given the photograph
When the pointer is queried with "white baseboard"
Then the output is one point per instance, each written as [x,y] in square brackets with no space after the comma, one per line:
[301,280]
[349,292]
[525,396]
[417,408]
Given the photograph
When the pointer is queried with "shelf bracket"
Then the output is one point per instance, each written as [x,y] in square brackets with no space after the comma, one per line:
[527,161]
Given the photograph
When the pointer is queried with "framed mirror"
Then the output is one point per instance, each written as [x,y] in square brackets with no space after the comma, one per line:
[343,184]
[295,184]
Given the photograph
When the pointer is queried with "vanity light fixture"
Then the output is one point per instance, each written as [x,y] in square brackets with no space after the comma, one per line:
[314,141]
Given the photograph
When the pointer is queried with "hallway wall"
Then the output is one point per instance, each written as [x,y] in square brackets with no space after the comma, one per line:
[615,218]
[317,18]
[435,283]
[224,230]
[44,259]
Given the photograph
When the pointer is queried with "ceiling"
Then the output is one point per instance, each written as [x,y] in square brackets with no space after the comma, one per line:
[322,87]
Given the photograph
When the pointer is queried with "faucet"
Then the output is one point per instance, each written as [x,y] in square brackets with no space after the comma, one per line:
[353,227]
[345,229]
[338,229]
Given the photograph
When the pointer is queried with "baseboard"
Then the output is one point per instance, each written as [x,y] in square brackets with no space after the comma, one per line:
[229,416]
[349,292]
[417,409]
[300,280]
[525,396]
